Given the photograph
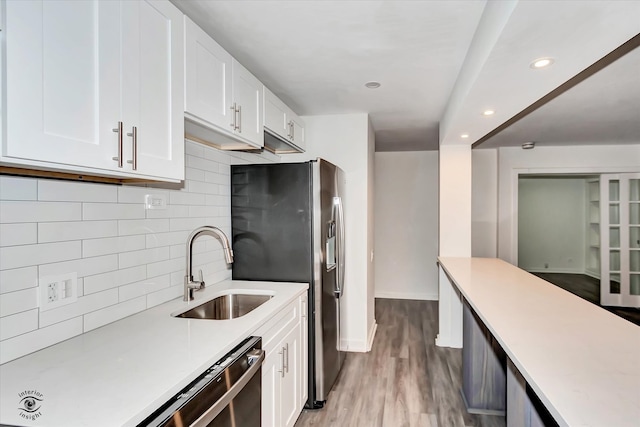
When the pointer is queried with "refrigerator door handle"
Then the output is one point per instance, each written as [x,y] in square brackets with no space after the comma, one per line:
[337,203]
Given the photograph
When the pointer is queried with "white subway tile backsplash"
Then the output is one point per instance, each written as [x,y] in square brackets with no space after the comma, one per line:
[112,245]
[218,200]
[95,319]
[165,267]
[23,256]
[202,187]
[83,267]
[135,194]
[18,301]
[166,239]
[66,191]
[11,212]
[127,227]
[191,174]
[195,149]
[144,256]
[218,156]
[18,234]
[144,287]
[218,178]
[77,230]
[127,258]
[95,211]
[113,279]
[203,211]
[172,211]
[164,295]
[85,304]
[190,224]
[18,279]
[184,198]
[18,324]
[16,188]
[200,163]
[44,337]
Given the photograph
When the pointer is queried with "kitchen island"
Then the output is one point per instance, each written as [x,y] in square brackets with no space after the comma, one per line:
[119,374]
[581,361]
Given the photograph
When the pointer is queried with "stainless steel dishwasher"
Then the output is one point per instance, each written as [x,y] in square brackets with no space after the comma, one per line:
[228,394]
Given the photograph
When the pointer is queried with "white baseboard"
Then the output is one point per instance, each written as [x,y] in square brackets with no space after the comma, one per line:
[424,296]
[360,346]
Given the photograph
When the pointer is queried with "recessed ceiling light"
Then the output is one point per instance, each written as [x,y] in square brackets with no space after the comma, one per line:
[528,145]
[541,63]
[488,113]
[464,135]
[372,85]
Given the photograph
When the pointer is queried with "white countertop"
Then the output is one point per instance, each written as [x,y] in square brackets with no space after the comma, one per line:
[582,361]
[120,373]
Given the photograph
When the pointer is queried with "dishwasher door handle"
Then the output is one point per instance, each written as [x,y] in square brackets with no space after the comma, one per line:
[222,403]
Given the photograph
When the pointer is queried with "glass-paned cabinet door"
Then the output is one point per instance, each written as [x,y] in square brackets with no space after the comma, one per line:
[620,253]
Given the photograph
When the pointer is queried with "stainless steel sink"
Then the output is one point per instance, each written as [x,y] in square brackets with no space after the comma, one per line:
[228,306]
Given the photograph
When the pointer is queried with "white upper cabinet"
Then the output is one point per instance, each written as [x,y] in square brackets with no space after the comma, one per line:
[154,87]
[208,79]
[223,100]
[85,78]
[281,122]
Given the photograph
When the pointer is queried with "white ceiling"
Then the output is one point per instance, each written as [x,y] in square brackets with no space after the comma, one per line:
[317,55]
[603,109]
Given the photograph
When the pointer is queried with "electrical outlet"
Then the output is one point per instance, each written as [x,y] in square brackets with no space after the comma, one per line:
[58,291]
[52,292]
[155,201]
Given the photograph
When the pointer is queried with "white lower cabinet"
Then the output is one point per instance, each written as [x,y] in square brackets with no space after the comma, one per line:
[283,376]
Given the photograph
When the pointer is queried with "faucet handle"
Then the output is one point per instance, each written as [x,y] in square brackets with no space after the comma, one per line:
[202,284]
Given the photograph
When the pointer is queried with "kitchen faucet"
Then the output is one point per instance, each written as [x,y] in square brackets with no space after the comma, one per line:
[189,284]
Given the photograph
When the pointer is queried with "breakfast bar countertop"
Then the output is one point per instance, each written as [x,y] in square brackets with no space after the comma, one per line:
[582,361]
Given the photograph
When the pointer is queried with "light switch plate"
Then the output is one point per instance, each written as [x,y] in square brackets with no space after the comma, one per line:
[57,291]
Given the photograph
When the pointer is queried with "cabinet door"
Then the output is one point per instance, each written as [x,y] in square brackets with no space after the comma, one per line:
[290,388]
[247,96]
[271,384]
[275,115]
[63,82]
[298,136]
[153,88]
[208,79]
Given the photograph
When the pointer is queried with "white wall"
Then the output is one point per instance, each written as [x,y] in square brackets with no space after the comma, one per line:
[514,161]
[406,228]
[454,235]
[347,141]
[551,224]
[127,258]
[484,203]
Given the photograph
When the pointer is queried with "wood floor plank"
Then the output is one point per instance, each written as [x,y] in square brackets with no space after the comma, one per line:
[404,381]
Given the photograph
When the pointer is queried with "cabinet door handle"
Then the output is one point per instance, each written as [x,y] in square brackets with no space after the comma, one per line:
[239,118]
[134,135]
[233,109]
[118,130]
[281,352]
[289,130]
[286,366]
[293,131]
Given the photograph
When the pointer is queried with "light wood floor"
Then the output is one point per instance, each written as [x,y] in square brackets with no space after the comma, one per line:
[404,381]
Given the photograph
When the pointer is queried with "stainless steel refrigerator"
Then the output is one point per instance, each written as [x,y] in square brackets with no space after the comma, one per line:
[288,226]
